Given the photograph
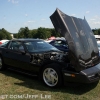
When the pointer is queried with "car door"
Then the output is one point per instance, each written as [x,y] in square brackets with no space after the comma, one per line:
[15,55]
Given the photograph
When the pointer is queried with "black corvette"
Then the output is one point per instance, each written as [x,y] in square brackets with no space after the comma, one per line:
[79,64]
[33,56]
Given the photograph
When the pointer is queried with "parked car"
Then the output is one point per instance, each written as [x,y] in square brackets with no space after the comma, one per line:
[60,44]
[34,56]
[98,43]
[3,41]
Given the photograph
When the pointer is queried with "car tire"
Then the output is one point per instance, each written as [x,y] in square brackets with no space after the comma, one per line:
[52,76]
[1,64]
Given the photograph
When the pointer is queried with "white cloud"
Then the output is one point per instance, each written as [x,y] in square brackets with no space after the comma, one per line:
[28,23]
[87,12]
[94,22]
[13,1]
[92,19]
[98,22]
[96,16]
[31,21]
[43,19]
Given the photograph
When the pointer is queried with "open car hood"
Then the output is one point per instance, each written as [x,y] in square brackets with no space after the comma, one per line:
[83,50]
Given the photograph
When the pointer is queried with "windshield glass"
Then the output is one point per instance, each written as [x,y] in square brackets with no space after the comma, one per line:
[37,46]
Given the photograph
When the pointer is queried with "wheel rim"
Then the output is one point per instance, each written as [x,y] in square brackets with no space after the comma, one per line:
[50,77]
[0,63]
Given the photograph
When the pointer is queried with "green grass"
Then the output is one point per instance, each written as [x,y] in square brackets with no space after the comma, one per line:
[14,84]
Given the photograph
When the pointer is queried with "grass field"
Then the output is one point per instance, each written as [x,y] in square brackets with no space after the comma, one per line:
[15,86]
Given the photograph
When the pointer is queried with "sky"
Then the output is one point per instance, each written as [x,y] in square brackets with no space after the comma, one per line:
[15,14]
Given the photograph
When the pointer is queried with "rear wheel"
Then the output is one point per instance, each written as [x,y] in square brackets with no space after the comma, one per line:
[52,76]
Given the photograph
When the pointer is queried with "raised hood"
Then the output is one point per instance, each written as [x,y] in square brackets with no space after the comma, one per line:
[83,50]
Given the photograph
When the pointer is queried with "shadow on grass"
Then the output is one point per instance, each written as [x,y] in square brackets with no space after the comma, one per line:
[33,83]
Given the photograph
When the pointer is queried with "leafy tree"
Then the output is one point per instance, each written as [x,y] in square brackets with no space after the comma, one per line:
[15,35]
[33,33]
[55,33]
[2,36]
[48,33]
[21,33]
[45,33]
[41,33]
[26,32]
[99,31]
[95,31]
[5,34]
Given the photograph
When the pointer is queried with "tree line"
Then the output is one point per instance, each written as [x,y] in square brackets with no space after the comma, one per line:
[42,33]
[96,31]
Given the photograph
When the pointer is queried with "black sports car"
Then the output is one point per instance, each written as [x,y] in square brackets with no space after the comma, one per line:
[80,64]
[33,56]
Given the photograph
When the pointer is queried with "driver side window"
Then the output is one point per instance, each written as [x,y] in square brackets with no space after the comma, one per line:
[21,48]
[15,45]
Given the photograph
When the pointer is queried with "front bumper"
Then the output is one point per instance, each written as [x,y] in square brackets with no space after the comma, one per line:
[89,75]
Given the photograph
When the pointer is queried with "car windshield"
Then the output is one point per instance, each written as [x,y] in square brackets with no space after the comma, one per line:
[38,46]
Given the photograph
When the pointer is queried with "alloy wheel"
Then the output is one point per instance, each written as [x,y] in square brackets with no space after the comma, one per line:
[50,77]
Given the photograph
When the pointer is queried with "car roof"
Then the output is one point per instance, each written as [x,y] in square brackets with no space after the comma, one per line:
[26,39]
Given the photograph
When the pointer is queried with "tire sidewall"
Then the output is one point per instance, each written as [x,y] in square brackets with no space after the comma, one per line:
[57,69]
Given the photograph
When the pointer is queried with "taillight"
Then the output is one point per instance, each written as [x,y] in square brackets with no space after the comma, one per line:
[0,42]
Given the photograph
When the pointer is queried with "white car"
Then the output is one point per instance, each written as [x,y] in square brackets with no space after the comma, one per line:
[98,42]
[3,41]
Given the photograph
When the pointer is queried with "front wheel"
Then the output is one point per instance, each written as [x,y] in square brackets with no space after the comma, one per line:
[52,76]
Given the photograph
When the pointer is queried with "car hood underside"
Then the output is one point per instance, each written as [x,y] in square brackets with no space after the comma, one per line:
[83,50]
